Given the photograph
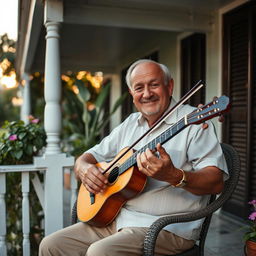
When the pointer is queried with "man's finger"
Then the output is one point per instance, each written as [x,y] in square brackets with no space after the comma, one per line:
[221,118]
[204,125]
[162,152]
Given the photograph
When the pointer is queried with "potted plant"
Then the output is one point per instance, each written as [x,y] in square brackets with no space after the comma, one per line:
[250,235]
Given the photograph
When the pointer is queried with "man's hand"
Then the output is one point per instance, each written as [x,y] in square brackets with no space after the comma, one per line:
[90,175]
[93,179]
[160,168]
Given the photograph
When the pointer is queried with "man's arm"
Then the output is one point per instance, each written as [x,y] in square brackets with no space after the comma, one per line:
[208,180]
[89,174]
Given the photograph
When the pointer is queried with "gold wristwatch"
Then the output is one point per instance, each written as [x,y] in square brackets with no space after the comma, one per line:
[182,182]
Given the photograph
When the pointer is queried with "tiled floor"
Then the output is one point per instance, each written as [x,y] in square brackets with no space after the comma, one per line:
[224,237]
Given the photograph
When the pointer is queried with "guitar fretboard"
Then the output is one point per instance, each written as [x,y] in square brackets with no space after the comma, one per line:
[162,138]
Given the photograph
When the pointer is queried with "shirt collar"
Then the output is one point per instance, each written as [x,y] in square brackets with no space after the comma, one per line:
[169,120]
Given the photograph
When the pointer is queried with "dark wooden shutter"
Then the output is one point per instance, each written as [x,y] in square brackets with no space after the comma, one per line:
[238,82]
[193,66]
[252,184]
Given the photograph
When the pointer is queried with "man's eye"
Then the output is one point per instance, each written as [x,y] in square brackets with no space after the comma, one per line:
[138,89]
[154,85]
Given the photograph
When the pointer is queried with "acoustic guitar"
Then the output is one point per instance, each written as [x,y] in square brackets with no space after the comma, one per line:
[124,179]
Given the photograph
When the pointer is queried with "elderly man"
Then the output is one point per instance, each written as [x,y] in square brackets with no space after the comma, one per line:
[180,176]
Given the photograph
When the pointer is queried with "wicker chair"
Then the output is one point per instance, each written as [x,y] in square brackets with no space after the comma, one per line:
[233,163]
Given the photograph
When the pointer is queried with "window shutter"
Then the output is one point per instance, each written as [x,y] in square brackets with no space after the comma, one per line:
[238,130]
[193,66]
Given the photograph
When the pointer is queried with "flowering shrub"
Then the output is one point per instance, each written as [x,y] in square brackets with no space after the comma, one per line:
[251,233]
[20,142]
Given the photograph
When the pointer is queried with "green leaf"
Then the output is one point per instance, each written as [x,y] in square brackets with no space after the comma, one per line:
[29,150]
[102,96]
[84,94]
[119,102]
[249,235]
[18,154]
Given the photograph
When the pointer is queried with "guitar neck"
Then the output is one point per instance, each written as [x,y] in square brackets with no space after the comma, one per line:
[162,138]
[199,115]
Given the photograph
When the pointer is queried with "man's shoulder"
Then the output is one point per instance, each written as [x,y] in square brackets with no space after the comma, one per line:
[132,117]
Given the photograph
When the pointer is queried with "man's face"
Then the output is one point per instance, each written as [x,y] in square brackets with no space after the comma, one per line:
[150,95]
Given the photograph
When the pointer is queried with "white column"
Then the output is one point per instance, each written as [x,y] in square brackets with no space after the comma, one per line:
[53,160]
[52,91]
[26,106]
[3,250]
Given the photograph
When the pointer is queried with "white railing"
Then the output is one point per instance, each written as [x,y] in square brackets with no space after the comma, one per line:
[25,171]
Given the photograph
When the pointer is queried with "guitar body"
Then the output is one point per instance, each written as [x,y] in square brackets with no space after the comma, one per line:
[107,205]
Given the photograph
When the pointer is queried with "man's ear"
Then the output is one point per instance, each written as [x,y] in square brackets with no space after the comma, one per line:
[171,86]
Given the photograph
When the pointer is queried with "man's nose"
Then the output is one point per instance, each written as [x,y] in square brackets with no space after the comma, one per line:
[147,92]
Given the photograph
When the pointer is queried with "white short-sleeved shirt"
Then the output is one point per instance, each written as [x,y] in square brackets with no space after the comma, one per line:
[192,149]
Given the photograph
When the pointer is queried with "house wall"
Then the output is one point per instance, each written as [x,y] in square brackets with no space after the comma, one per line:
[169,54]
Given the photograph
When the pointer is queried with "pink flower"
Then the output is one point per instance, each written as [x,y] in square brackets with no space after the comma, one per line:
[35,121]
[13,137]
[252,216]
[252,202]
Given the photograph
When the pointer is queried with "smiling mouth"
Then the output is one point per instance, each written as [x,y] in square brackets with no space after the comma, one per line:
[152,101]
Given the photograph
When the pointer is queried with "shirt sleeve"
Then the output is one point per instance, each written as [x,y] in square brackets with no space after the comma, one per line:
[205,150]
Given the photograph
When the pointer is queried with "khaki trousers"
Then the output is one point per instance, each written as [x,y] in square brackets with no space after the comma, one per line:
[83,239]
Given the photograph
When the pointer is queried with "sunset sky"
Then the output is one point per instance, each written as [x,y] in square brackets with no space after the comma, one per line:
[9,18]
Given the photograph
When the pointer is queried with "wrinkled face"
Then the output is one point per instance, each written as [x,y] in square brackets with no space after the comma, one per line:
[150,95]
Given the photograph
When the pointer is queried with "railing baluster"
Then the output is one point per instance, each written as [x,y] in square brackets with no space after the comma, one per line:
[73,186]
[3,250]
[25,213]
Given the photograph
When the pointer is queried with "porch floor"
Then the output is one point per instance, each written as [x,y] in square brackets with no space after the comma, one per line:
[225,237]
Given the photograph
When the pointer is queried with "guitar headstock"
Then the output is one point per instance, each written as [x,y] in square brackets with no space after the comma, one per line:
[210,110]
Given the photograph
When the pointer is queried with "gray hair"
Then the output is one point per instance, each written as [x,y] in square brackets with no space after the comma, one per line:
[166,71]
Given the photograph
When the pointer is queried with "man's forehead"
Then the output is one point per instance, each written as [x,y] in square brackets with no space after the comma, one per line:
[148,71]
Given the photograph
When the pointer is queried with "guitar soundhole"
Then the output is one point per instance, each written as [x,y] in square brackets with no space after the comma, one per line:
[113,175]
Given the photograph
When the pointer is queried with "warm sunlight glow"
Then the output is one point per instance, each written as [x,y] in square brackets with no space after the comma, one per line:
[95,80]
[75,89]
[9,81]
[17,101]
[5,64]
[98,79]
[81,74]
[65,78]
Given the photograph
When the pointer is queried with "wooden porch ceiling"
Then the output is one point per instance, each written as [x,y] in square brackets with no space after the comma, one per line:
[95,34]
